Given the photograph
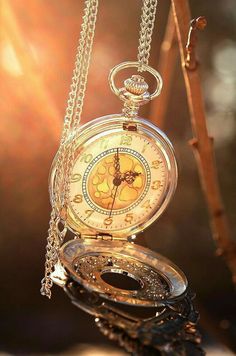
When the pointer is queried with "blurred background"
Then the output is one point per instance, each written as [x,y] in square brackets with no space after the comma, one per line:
[38,43]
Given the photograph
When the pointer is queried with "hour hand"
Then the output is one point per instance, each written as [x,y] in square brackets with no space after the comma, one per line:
[129,177]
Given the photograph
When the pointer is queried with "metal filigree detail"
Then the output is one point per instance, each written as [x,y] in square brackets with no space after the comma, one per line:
[152,285]
[88,260]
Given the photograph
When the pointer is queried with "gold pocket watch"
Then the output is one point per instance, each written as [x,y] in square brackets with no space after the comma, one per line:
[123,175]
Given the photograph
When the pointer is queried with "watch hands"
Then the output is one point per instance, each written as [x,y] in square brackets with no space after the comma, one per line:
[117,175]
[118,178]
[129,177]
[112,205]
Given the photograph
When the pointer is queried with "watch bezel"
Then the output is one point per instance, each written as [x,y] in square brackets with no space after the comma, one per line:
[115,123]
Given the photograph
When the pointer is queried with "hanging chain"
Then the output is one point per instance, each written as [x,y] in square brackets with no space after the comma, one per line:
[146,30]
[64,159]
[85,60]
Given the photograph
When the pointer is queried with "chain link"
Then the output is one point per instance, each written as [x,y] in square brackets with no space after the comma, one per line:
[146,30]
[64,159]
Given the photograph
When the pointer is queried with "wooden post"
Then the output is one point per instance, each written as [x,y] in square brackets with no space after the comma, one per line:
[201,143]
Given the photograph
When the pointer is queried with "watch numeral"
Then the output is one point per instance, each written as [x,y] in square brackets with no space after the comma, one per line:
[126,140]
[86,157]
[146,204]
[89,213]
[78,198]
[104,143]
[156,184]
[156,164]
[108,221]
[129,217]
[75,177]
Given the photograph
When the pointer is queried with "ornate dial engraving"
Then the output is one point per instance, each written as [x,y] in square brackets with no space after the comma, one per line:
[132,176]
[118,180]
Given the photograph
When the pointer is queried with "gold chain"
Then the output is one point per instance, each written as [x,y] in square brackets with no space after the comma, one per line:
[64,159]
[146,30]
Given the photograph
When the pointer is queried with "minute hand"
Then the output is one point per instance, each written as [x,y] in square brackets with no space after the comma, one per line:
[116,178]
[113,201]
[117,164]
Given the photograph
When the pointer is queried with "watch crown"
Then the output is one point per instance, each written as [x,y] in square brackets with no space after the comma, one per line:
[136,85]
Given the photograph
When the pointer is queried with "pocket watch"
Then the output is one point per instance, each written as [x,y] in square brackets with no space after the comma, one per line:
[123,175]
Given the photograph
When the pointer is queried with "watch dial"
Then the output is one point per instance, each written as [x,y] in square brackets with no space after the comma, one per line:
[116,181]
[119,181]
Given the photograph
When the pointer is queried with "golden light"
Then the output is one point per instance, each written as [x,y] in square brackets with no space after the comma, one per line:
[10,61]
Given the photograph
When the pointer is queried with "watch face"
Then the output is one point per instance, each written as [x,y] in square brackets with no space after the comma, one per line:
[121,180]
